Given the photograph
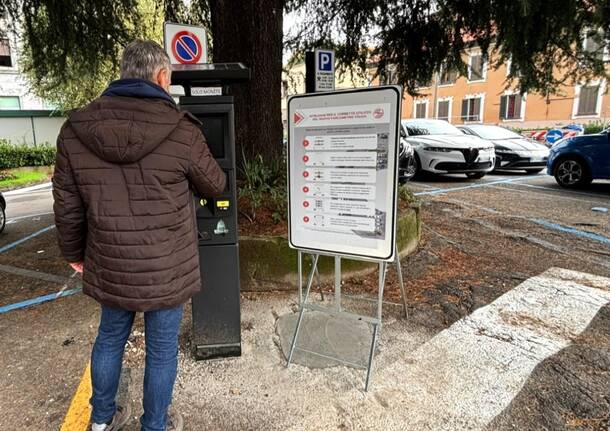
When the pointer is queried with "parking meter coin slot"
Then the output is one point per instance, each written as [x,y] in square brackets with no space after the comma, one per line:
[205,208]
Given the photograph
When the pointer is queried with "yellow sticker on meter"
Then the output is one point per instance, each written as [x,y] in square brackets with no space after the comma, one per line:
[222,204]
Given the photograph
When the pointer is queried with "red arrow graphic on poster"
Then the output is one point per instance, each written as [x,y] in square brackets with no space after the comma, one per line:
[298,117]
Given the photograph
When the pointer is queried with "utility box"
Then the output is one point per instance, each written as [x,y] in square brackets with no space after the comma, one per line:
[216,309]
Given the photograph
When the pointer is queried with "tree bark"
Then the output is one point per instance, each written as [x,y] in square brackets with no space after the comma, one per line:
[250,31]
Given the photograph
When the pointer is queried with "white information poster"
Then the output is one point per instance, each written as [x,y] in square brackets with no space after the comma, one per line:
[342,171]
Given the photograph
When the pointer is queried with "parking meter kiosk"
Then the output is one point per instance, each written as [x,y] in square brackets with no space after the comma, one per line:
[216,309]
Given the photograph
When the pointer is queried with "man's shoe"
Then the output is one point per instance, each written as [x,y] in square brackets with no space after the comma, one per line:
[174,421]
[120,419]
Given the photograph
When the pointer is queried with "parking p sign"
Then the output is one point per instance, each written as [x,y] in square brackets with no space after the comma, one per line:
[325,70]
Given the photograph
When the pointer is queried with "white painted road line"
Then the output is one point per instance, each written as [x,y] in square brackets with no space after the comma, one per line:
[29,189]
[540,191]
[30,216]
[467,374]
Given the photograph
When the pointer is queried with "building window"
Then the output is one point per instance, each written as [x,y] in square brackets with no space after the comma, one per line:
[420,109]
[594,44]
[423,84]
[510,107]
[587,100]
[471,109]
[443,110]
[447,76]
[476,69]
[5,53]
[9,103]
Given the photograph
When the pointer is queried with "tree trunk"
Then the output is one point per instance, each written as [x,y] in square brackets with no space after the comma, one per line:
[250,31]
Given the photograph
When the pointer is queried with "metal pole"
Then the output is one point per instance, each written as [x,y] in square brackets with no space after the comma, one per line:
[302,310]
[338,282]
[401,284]
[371,355]
[33,130]
[319,283]
[300,276]
[382,273]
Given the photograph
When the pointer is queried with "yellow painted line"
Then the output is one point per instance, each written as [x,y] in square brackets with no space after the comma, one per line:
[79,413]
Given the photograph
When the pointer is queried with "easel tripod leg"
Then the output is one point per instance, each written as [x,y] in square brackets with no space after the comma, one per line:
[302,309]
[401,284]
[371,357]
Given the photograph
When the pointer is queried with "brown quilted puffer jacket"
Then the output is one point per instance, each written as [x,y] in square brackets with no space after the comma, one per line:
[123,201]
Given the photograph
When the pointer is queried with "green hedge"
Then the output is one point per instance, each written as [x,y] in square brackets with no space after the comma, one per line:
[595,127]
[18,156]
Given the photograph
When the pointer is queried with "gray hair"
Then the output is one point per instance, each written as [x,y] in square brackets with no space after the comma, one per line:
[142,59]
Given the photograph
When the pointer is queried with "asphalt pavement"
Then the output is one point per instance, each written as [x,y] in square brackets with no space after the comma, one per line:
[489,248]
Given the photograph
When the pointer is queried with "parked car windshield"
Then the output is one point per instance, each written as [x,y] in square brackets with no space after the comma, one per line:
[430,127]
[494,132]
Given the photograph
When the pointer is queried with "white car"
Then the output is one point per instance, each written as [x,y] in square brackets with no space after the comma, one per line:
[442,148]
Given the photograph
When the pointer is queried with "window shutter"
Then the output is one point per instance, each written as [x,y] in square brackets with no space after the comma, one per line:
[517,106]
[5,53]
[587,102]
[464,109]
[503,103]
[582,101]
[476,111]
[443,110]
[476,67]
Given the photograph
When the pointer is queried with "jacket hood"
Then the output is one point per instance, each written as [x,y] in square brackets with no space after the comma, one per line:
[129,120]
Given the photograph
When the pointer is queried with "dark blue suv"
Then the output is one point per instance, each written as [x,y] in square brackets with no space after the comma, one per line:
[576,161]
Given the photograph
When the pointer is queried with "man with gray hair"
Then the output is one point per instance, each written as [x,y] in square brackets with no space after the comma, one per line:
[126,167]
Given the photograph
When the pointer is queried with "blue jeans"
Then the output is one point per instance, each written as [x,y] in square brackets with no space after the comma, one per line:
[161,336]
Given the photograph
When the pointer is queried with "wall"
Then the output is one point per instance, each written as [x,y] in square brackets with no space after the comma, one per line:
[30,127]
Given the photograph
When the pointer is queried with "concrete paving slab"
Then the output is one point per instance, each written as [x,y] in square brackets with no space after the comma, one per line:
[460,379]
[331,336]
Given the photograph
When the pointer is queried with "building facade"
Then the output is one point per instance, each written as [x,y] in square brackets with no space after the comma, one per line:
[24,118]
[14,91]
[483,97]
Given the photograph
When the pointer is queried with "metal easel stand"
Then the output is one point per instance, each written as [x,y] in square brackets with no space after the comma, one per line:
[375,321]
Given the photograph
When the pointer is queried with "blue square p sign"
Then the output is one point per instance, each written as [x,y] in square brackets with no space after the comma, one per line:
[324,70]
[326,61]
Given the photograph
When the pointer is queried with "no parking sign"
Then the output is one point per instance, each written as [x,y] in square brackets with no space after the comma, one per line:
[185,44]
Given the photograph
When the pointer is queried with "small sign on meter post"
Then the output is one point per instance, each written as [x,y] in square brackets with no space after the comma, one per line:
[185,44]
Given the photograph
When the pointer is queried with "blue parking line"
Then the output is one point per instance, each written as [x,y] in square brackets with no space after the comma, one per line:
[474,186]
[38,300]
[573,231]
[22,240]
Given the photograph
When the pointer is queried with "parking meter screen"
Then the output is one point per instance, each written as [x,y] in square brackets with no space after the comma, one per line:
[214,131]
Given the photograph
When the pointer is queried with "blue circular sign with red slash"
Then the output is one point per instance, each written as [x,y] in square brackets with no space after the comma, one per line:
[186,47]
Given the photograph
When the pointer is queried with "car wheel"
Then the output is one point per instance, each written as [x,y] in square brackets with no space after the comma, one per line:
[533,171]
[2,218]
[419,172]
[410,169]
[571,172]
[475,175]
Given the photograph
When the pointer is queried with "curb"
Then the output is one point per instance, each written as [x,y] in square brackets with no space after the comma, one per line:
[27,189]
